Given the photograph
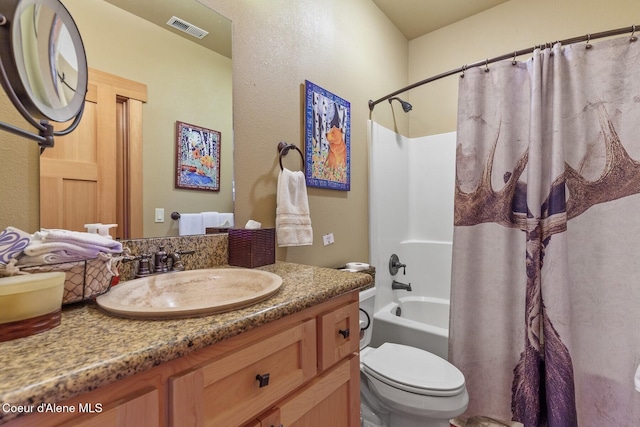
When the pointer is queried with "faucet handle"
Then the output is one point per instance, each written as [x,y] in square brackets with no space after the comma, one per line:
[144,267]
[160,260]
[190,252]
[395,265]
[176,261]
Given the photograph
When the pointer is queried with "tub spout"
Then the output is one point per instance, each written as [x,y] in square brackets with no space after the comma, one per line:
[401,286]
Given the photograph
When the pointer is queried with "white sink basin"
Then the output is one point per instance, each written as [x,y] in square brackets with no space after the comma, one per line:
[190,293]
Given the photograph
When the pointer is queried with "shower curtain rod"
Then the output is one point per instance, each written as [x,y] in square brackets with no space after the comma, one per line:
[486,62]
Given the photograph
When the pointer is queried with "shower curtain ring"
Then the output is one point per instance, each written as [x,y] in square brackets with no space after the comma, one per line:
[514,62]
[588,46]
[464,67]
[633,32]
[486,65]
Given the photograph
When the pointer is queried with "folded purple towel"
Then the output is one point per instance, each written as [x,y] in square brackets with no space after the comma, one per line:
[12,243]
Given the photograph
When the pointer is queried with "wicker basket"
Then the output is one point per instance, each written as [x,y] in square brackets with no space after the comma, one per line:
[252,247]
[84,279]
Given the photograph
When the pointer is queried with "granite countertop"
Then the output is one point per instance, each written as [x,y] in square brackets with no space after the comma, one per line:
[91,348]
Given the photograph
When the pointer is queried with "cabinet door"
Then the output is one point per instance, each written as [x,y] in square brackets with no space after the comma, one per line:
[333,399]
[137,410]
[339,335]
[232,389]
[270,418]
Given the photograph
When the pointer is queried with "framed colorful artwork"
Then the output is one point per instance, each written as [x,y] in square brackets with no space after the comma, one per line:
[197,157]
[327,139]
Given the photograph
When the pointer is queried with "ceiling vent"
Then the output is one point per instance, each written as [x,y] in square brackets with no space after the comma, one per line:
[182,25]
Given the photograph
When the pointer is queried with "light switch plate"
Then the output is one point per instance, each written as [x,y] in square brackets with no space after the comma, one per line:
[327,239]
[159,215]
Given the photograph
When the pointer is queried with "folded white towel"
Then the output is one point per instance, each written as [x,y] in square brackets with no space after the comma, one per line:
[89,241]
[636,380]
[210,219]
[191,224]
[227,220]
[51,258]
[293,220]
[38,247]
[12,243]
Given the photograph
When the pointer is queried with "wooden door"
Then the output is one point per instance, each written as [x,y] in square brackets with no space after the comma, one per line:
[94,174]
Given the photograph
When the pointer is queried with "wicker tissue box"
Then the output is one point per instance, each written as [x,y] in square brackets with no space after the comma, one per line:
[252,247]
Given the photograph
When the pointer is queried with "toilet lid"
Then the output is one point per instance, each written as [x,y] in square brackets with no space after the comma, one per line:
[413,370]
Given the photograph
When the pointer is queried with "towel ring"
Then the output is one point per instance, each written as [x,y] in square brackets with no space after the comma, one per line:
[283,150]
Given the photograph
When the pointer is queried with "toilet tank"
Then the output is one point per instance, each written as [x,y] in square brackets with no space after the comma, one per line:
[367,304]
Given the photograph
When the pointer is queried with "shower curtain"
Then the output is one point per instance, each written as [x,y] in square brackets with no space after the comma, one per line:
[545,298]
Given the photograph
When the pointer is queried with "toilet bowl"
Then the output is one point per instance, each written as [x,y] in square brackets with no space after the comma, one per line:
[403,386]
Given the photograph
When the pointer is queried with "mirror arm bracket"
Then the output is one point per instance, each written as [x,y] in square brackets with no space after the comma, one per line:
[44,139]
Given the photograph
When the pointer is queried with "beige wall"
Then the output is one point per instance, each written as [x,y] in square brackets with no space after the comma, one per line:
[346,47]
[19,173]
[511,26]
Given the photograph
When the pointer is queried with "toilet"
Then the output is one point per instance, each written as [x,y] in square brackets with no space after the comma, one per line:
[403,386]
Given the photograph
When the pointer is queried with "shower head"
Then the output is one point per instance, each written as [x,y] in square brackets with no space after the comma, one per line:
[405,105]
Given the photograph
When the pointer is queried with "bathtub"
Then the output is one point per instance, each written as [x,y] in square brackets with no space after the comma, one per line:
[421,322]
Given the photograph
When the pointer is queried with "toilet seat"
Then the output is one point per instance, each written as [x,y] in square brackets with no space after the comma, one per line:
[413,370]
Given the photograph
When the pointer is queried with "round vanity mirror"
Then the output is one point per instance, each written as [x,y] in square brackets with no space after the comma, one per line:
[43,62]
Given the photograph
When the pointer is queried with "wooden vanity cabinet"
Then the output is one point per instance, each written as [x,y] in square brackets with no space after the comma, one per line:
[301,370]
[223,391]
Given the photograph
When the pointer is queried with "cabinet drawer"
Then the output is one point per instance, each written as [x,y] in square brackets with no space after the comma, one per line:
[338,334]
[228,390]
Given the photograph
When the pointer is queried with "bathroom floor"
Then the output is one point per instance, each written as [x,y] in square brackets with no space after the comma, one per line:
[483,422]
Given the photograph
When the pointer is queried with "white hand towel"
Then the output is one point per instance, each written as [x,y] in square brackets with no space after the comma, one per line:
[636,380]
[86,240]
[52,258]
[210,219]
[227,220]
[190,224]
[39,247]
[293,221]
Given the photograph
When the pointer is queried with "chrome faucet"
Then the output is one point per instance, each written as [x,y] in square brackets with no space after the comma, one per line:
[401,286]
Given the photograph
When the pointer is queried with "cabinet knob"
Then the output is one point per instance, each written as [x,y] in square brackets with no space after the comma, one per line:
[344,333]
[263,380]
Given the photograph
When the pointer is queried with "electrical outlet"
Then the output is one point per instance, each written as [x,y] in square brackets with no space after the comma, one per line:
[159,215]
[328,239]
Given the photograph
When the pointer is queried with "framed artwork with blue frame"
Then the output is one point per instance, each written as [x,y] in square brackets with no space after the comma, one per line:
[327,139]
[197,157]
